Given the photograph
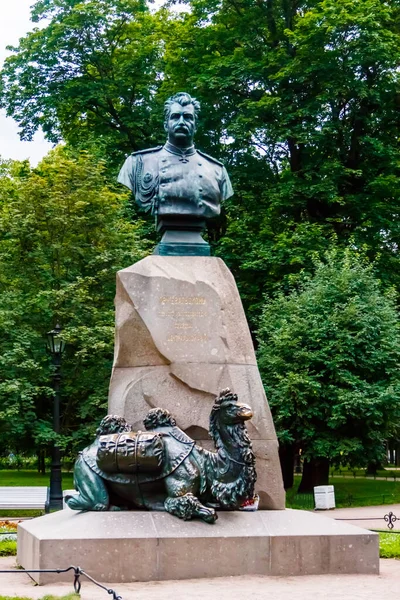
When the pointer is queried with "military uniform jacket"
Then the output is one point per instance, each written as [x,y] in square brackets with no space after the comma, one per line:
[169,181]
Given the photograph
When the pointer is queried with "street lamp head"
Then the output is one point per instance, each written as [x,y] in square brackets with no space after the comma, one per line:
[55,344]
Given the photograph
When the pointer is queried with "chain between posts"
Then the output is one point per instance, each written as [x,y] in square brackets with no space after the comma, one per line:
[390,519]
[77,574]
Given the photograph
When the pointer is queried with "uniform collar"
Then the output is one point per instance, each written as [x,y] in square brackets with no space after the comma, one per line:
[183,153]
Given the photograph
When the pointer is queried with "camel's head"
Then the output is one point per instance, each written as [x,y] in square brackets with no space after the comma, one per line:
[228,410]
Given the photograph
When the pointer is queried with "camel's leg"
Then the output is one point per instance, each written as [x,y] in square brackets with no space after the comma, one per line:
[93,494]
[188,507]
[181,488]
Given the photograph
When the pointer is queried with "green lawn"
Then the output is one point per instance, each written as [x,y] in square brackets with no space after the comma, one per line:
[389,545]
[350,492]
[12,477]
[29,478]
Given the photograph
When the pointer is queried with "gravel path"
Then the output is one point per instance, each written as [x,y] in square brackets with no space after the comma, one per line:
[385,586]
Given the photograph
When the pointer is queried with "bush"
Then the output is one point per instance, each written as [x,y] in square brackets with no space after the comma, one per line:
[389,545]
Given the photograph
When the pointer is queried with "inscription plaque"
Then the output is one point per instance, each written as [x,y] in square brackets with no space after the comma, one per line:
[182,319]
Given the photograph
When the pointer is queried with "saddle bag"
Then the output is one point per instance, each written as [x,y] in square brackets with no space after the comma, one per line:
[131,452]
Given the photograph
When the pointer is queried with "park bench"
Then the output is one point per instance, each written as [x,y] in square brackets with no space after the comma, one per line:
[24,498]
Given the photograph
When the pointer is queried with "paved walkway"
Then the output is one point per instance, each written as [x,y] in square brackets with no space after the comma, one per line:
[385,586]
[333,587]
[369,477]
[368,517]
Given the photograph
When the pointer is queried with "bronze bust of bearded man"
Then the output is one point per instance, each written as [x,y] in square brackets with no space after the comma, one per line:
[180,185]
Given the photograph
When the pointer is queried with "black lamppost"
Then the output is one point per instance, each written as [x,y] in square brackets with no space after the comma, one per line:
[55,346]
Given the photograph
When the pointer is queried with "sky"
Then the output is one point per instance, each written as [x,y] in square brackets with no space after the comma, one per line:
[14,23]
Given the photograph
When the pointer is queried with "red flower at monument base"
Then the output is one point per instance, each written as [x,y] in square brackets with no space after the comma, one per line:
[252,504]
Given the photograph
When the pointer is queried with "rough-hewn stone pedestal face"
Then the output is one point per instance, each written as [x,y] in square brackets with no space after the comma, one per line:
[182,337]
[117,547]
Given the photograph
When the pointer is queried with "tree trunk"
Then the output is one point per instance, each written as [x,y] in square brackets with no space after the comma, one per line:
[391,453]
[41,462]
[373,467]
[315,472]
[286,457]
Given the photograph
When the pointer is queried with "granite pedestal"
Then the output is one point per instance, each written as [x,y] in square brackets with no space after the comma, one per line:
[115,547]
[181,336]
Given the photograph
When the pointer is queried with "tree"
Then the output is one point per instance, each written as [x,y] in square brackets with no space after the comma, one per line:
[301,100]
[63,235]
[88,75]
[329,357]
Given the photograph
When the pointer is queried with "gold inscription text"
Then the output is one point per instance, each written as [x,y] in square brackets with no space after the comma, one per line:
[187,338]
[187,314]
[182,300]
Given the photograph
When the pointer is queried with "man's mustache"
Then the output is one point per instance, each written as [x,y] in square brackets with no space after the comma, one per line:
[181,128]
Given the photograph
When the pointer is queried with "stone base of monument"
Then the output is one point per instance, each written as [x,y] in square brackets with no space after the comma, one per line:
[116,547]
[181,337]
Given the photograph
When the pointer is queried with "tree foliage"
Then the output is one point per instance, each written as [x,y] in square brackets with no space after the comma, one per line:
[63,235]
[329,357]
[300,99]
[88,76]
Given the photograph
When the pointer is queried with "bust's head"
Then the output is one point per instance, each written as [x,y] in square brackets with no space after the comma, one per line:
[180,119]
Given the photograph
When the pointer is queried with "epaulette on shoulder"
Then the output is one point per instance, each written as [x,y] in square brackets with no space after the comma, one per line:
[146,150]
[214,160]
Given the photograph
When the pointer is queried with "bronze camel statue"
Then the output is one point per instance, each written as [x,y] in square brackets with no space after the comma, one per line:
[163,469]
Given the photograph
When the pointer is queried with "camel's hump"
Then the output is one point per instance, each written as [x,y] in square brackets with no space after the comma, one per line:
[178,446]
